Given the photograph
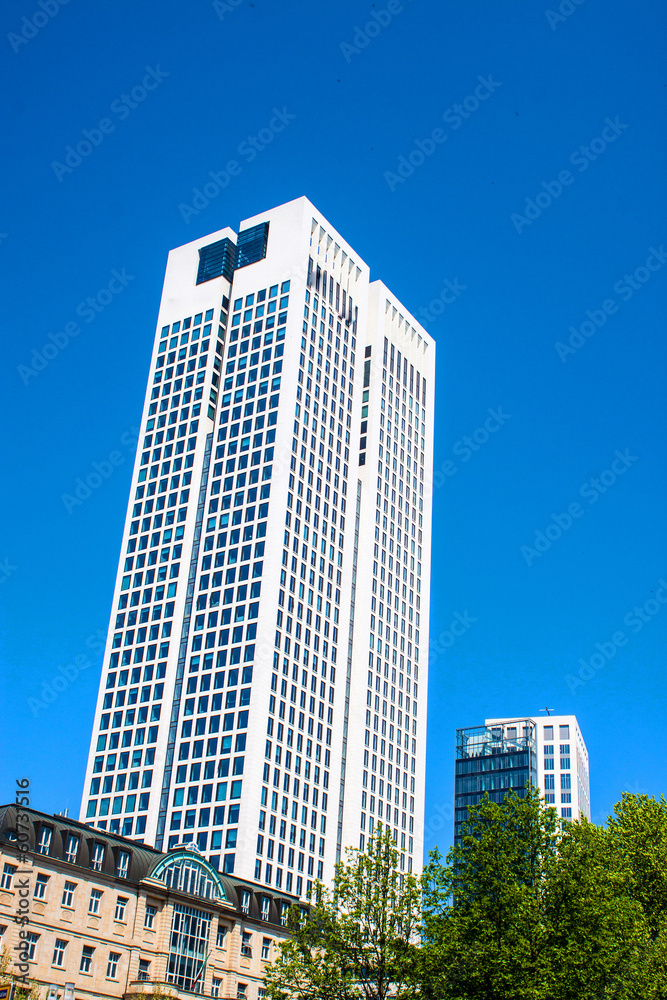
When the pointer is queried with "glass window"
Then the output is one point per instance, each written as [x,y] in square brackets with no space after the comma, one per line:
[94,902]
[149,918]
[564,732]
[188,946]
[68,893]
[123,864]
[97,859]
[86,959]
[7,875]
[40,886]
[189,875]
[121,906]
[72,846]
[59,953]
[112,965]
[31,940]
[44,842]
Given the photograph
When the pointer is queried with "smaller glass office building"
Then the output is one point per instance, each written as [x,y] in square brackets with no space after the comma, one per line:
[492,759]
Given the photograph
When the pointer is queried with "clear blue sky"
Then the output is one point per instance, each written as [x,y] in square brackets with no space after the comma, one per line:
[539,199]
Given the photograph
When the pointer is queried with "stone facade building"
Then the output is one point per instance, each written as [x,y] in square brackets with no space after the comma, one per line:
[93,914]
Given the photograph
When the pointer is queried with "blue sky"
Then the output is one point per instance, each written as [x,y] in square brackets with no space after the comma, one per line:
[499,167]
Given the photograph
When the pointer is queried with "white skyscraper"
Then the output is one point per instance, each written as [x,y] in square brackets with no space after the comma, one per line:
[263,692]
[547,752]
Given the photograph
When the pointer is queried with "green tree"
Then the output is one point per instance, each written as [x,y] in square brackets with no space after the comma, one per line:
[484,921]
[357,942]
[638,831]
[597,935]
[24,990]
[527,908]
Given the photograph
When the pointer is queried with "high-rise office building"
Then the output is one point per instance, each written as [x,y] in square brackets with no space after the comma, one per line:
[546,752]
[263,692]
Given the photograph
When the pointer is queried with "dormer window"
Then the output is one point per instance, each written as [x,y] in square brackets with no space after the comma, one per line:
[71,848]
[44,842]
[97,857]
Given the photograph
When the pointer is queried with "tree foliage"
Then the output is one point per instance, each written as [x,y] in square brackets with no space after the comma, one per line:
[526,907]
[25,989]
[484,920]
[358,941]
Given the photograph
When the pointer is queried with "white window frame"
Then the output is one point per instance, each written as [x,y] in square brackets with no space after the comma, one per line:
[88,959]
[123,865]
[41,882]
[112,964]
[31,940]
[69,889]
[149,916]
[59,949]
[94,902]
[45,837]
[97,860]
[8,873]
[121,908]
[72,842]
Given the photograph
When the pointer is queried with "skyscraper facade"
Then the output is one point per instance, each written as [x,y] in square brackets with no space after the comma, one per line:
[263,691]
[507,754]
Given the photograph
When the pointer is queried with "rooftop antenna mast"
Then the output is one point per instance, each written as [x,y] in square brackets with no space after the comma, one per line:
[547,710]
